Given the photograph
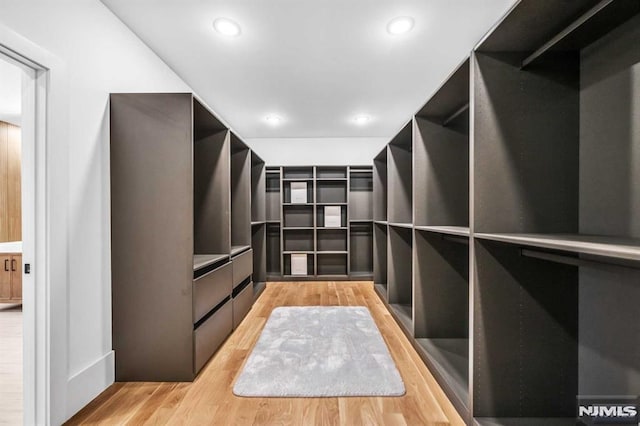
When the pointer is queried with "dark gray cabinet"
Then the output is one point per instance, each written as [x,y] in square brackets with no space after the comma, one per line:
[181,234]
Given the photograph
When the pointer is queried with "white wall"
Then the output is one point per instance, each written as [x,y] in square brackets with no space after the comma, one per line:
[97,55]
[317,151]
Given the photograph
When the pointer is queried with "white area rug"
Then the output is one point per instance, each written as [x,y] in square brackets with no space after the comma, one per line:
[320,351]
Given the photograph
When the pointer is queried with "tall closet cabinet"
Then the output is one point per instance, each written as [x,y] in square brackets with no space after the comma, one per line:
[182,261]
[520,179]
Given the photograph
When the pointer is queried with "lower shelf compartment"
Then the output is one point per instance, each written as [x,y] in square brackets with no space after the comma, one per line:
[450,360]
[405,314]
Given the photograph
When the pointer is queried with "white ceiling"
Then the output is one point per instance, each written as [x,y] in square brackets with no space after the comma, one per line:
[10,93]
[315,63]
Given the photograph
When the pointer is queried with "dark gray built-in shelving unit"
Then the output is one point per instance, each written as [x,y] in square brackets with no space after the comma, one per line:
[525,242]
[333,253]
[181,234]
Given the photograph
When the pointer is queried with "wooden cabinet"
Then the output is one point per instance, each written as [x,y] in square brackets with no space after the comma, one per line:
[10,183]
[10,278]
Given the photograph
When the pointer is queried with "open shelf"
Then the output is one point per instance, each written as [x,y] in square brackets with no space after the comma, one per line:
[329,239]
[400,176]
[286,188]
[380,257]
[296,216]
[259,247]
[331,192]
[399,269]
[258,190]
[361,194]
[331,172]
[448,359]
[380,185]
[273,246]
[238,249]
[441,148]
[404,314]
[297,240]
[287,265]
[441,291]
[297,173]
[332,264]
[272,195]
[619,248]
[320,216]
[462,231]
[240,193]
[203,260]
[361,249]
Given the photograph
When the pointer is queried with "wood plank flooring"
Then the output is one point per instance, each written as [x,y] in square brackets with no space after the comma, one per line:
[10,364]
[209,399]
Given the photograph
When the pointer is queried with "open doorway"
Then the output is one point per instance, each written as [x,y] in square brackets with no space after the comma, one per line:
[11,270]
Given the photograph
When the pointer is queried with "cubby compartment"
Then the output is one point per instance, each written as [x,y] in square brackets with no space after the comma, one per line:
[273,256]
[338,173]
[380,185]
[399,267]
[258,190]
[272,194]
[297,240]
[331,191]
[240,195]
[361,193]
[361,250]
[332,240]
[297,216]
[259,247]
[380,278]
[441,149]
[400,175]
[555,135]
[292,190]
[301,173]
[287,265]
[321,212]
[441,328]
[332,264]
[526,335]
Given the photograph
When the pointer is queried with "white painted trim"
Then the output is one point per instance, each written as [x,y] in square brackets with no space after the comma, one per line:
[45,291]
[90,382]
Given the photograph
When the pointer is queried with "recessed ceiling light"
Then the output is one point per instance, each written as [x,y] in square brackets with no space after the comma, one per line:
[226,27]
[400,25]
[361,119]
[273,119]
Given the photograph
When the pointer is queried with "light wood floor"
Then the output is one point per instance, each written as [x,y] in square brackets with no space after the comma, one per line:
[209,399]
[10,364]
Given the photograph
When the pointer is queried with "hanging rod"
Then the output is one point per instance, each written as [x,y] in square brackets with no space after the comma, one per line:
[568,30]
[455,115]
[454,239]
[574,261]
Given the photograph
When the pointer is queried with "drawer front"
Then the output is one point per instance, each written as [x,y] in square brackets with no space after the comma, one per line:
[242,304]
[242,267]
[211,334]
[211,289]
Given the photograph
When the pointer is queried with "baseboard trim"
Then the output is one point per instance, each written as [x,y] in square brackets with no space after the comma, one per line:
[85,385]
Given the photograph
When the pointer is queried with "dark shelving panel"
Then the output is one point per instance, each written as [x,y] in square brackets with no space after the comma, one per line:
[400,175]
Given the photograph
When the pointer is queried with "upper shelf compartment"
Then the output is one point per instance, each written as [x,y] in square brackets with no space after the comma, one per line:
[441,147]
[535,28]
[400,175]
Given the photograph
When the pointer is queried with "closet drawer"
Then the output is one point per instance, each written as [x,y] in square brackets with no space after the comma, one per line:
[242,304]
[211,333]
[242,267]
[211,289]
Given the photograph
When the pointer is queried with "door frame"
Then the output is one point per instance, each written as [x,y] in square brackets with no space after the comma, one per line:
[44,213]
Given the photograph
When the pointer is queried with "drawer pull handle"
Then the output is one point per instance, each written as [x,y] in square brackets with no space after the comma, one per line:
[13,264]
[6,268]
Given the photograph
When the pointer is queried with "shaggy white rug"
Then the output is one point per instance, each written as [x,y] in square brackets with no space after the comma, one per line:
[319,351]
